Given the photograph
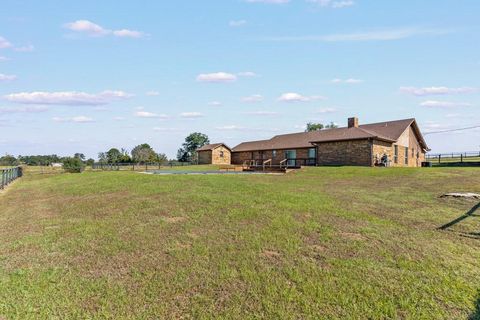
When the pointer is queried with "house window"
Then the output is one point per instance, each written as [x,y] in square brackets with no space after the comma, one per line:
[395,155]
[221,154]
[274,153]
[413,152]
[406,155]
[311,153]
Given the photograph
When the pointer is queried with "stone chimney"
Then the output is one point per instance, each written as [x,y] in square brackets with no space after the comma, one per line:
[353,122]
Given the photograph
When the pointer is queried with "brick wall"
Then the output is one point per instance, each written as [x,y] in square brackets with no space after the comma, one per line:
[350,153]
[240,157]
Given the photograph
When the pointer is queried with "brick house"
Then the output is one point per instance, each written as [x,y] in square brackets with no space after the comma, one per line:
[218,153]
[357,145]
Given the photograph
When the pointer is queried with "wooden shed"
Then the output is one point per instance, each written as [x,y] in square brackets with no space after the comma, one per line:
[217,153]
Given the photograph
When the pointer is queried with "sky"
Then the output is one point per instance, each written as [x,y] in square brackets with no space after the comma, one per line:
[85,76]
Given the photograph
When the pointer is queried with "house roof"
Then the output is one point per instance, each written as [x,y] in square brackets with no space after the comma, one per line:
[210,147]
[389,131]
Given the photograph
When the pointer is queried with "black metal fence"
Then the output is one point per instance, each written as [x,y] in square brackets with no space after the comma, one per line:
[137,166]
[454,158]
[8,175]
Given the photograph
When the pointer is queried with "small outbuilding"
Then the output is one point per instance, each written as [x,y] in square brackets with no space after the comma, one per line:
[217,153]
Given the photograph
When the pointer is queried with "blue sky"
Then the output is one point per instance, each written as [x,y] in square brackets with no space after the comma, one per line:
[84,76]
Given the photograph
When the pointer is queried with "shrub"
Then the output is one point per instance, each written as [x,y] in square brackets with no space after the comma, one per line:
[73,165]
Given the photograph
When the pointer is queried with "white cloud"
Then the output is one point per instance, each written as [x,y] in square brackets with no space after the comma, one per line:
[77,119]
[378,35]
[191,115]
[88,27]
[7,77]
[4,43]
[162,129]
[237,23]
[269,1]
[125,33]
[118,118]
[333,4]
[247,74]
[262,113]
[295,97]
[436,90]
[327,110]
[253,98]
[230,127]
[28,48]
[218,77]
[444,104]
[215,103]
[147,114]
[67,98]
[2,58]
[94,30]
[29,109]
[152,93]
[347,81]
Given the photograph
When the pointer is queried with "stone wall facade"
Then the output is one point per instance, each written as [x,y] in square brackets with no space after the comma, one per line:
[219,155]
[407,156]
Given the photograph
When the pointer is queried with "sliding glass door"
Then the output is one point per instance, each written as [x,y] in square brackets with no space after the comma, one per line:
[291,155]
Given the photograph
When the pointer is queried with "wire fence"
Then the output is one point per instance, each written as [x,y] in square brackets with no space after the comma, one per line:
[454,158]
[9,175]
[137,166]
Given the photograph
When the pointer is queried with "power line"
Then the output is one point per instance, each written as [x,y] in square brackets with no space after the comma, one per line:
[452,130]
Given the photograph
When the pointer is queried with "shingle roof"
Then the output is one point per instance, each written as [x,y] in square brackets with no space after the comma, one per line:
[209,147]
[387,131]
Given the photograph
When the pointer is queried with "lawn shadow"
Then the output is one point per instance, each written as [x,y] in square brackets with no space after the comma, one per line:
[476,313]
[469,213]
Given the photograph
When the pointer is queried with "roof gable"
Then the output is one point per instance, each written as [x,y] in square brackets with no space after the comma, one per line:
[389,131]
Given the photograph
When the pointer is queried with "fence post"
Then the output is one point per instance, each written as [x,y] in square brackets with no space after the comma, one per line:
[461,157]
[439,158]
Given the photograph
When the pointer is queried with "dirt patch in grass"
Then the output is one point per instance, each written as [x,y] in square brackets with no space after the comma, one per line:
[174,219]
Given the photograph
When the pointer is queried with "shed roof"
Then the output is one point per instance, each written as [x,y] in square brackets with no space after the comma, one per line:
[210,147]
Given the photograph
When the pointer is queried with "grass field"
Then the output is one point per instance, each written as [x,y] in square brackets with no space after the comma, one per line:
[323,243]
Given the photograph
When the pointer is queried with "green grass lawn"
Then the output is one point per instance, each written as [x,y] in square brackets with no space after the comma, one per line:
[323,243]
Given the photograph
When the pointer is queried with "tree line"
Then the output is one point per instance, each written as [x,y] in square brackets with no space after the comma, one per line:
[142,153]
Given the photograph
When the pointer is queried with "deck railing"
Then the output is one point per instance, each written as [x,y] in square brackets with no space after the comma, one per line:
[8,175]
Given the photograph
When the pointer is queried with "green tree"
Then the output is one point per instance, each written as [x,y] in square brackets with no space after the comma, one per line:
[113,155]
[143,153]
[80,156]
[102,157]
[8,160]
[73,165]
[188,151]
[162,158]
[311,126]
[332,125]
[125,158]
[90,162]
